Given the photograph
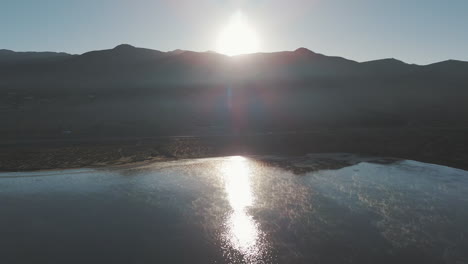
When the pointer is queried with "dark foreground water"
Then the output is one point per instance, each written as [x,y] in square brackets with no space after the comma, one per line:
[237,210]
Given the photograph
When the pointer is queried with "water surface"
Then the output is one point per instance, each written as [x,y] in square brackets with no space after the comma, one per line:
[237,210]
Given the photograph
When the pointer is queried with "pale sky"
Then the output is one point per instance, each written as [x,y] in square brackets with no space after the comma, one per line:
[415,31]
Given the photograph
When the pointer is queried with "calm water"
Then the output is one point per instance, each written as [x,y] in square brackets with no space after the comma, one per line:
[236,210]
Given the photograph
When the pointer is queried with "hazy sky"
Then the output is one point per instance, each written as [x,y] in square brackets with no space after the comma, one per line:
[417,31]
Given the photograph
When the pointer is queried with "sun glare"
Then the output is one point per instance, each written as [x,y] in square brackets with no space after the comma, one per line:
[242,230]
[238,37]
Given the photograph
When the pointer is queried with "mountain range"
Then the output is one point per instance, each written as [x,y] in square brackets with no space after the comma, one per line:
[146,91]
[301,64]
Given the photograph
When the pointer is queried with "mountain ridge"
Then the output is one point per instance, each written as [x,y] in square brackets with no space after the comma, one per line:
[127,65]
[127,48]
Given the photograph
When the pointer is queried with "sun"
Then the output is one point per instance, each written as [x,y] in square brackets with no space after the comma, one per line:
[237,37]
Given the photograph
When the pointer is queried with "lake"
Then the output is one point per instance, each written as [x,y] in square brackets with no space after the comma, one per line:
[330,208]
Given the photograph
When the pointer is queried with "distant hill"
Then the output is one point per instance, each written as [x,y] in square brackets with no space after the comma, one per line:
[8,56]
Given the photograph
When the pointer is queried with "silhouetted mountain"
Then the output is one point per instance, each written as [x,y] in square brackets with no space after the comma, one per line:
[176,52]
[122,54]
[299,65]
[450,67]
[8,56]
[389,66]
[148,91]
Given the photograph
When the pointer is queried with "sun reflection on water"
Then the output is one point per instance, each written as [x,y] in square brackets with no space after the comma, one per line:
[242,232]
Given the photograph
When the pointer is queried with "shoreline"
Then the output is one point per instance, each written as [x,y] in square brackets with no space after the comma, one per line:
[436,146]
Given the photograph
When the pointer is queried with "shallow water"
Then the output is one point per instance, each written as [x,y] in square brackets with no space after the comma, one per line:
[236,210]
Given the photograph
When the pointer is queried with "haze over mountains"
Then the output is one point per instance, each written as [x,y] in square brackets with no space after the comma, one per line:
[128,91]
